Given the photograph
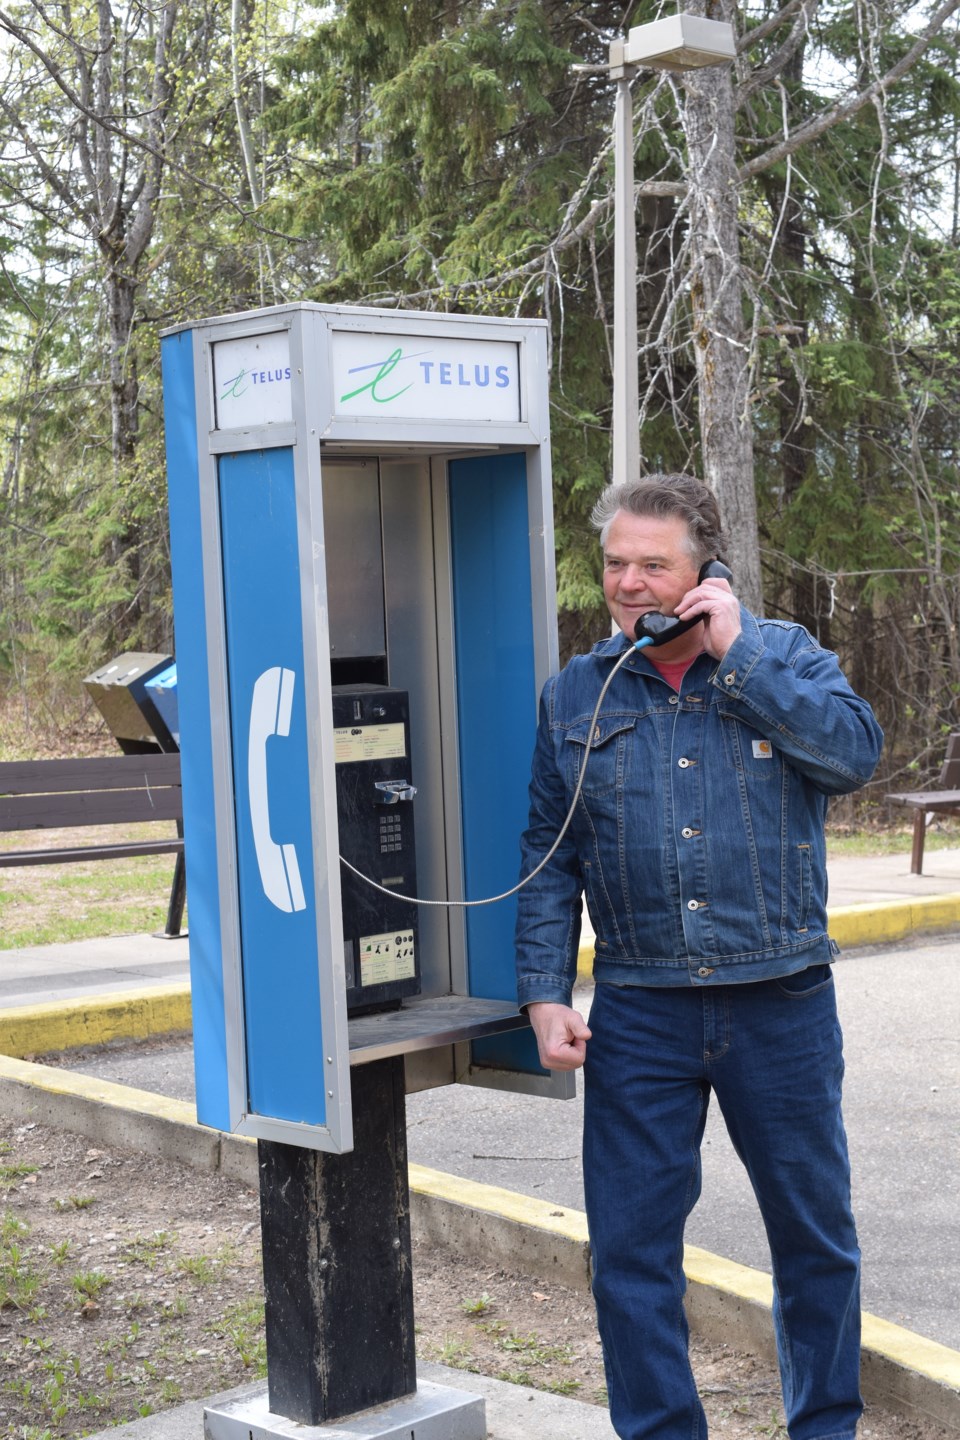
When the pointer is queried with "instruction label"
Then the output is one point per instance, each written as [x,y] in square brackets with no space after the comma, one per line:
[368,742]
[386,957]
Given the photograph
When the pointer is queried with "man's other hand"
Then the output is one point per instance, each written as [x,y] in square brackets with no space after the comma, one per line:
[562,1035]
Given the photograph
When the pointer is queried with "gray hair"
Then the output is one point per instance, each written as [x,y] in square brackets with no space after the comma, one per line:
[662,496]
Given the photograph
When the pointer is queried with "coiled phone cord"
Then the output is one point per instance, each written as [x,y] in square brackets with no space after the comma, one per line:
[493,899]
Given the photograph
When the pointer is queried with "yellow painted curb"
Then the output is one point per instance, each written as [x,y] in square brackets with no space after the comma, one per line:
[867,924]
[95,1019]
[100,1092]
[164,1009]
[913,1352]
[704,1268]
[507,1204]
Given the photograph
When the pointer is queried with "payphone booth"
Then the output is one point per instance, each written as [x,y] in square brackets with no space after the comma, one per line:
[364,607]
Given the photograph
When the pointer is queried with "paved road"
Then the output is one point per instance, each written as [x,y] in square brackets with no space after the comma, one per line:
[901,1013]
[900,1009]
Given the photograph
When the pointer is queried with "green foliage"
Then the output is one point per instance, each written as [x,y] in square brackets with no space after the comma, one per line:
[415,125]
[441,148]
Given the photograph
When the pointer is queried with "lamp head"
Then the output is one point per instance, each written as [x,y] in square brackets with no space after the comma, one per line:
[679,42]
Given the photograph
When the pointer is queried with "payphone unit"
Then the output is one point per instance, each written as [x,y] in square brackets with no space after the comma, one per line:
[365,611]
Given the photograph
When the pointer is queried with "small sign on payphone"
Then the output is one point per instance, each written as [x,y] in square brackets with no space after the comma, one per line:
[384,958]
[354,743]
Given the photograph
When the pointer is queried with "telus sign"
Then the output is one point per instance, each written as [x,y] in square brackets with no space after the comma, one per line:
[427,377]
[251,379]
[374,375]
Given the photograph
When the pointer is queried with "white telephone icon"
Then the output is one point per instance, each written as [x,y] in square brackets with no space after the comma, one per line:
[270,711]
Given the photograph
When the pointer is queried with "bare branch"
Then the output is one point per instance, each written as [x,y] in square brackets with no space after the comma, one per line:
[814,128]
[768,73]
[749,38]
[80,211]
[87,112]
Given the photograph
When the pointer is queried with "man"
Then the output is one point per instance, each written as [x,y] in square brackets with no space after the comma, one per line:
[698,839]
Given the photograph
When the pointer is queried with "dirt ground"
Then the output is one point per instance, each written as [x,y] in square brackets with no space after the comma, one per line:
[129,1284]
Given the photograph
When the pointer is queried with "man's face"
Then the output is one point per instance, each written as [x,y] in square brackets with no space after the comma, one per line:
[647,565]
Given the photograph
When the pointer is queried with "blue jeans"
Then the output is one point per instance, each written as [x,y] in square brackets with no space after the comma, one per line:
[772,1052]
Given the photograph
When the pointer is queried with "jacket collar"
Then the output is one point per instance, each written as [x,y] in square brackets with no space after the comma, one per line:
[612,647]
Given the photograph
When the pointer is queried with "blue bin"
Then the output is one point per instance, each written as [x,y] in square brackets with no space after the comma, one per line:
[162,689]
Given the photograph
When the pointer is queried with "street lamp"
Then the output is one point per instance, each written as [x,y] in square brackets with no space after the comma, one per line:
[678,43]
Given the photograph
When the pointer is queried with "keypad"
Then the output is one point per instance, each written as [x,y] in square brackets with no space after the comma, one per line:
[390,835]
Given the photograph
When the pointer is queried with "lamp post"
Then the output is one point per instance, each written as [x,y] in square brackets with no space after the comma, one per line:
[679,42]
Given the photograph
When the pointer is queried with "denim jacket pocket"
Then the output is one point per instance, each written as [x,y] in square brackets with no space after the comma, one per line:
[804,882]
[748,751]
[606,757]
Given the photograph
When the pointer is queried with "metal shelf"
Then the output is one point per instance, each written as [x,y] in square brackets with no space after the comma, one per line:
[428,1024]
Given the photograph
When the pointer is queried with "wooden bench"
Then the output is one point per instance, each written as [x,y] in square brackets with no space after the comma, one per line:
[945,800]
[114,790]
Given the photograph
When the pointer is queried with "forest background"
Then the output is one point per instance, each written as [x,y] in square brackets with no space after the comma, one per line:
[798,233]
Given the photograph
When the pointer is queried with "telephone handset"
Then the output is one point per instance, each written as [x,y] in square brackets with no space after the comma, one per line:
[270,711]
[657,629]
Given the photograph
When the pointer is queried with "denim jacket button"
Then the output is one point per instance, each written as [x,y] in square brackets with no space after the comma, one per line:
[704,971]
[730,678]
[693,904]
[674,700]
[687,833]
[683,762]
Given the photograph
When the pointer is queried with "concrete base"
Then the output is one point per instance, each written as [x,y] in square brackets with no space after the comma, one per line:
[433,1412]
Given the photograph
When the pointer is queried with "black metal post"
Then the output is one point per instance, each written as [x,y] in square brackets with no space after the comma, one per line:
[178,894]
[337,1263]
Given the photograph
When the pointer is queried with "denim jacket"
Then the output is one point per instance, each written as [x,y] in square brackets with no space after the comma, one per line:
[698,837]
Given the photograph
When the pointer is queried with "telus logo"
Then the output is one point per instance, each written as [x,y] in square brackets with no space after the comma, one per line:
[432,373]
[240,383]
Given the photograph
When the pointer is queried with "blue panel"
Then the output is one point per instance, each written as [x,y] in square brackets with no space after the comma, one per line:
[162,690]
[281,985]
[497,705]
[206,971]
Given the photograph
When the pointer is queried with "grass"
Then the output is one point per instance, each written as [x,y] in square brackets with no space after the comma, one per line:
[476,1305]
[530,1347]
[842,843]
[10,1174]
[242,1324]
[89,1284]
[85,900]
[19,1280]
[116,1368]
[205,1269]
[147,1249]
